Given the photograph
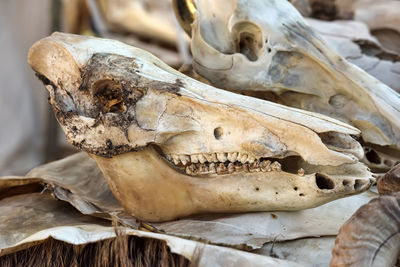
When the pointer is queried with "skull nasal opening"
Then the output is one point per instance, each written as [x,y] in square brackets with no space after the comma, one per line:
[248,39]
[324,182]
[109,95]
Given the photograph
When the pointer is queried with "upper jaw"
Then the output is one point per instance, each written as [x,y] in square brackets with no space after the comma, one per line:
[169,109]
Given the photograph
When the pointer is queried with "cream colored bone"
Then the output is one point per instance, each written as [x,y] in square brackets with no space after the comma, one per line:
[145,124]
[265,46]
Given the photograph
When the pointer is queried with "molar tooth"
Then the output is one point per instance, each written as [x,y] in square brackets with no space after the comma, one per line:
[203,169]
[251,159]
[211,168]
[238,166]
[245,167]
[214,157]
[194,159]
[276,166]
[242,158]
[265,166]
[208,157]
[201,158]
[232,157]
[185,159]
[176,159]
[300,172]
[221,157]
[191,169]
[255,166]
[168,157]
[221,169]
[231,167]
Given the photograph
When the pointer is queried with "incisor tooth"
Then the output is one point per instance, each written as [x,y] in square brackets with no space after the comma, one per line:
[194,159]
[221,157]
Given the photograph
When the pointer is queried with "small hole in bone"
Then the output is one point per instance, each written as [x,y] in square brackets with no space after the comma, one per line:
[338,101]
[257,189]
[295,188]
[218,132]
[345,182]
[373,157]
[359,184]
[324,182]
[301,194]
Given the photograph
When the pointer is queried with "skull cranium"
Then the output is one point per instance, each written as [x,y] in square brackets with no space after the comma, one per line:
[171,146]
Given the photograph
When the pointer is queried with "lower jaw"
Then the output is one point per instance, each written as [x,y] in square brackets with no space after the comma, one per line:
[149,189]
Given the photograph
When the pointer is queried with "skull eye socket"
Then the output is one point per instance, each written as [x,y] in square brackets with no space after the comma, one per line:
[248,39]
[110,96]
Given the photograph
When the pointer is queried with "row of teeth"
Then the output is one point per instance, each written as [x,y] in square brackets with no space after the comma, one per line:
[221,168]
[212,157]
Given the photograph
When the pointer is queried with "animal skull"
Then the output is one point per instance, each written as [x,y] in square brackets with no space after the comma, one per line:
[171,146]
[265,49]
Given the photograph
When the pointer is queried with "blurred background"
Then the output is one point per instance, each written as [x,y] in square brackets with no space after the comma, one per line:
[29,133]
[365,32]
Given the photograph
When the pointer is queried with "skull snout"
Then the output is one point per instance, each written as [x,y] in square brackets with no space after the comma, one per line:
[324,182]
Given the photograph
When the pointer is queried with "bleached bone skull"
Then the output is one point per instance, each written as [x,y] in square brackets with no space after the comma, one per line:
[171,146]
[265,49]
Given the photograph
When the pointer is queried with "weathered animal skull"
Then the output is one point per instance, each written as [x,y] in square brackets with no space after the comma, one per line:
[265,49]
[171,146]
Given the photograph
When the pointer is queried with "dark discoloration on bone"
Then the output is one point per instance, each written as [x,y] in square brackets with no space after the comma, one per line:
[110,89]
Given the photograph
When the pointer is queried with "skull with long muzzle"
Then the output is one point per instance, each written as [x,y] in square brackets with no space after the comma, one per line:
[171,146]
[265,49]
